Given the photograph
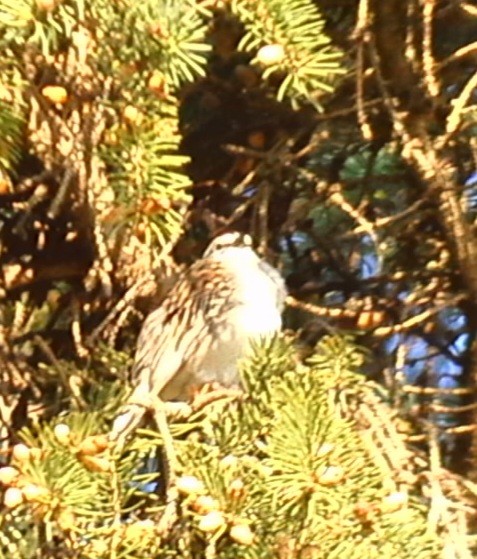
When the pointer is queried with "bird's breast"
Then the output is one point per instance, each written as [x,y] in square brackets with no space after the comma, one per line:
[251,313]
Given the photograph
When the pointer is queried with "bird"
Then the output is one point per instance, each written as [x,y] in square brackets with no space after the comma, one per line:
[227,300]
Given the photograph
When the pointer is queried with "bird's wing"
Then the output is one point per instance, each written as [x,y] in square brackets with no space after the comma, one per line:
[182,329]
[184,326]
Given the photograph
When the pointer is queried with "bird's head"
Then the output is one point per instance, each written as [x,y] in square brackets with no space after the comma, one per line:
[228,240]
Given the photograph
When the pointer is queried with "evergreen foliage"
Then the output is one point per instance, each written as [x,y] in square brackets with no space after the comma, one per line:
[147,173]
[281,470]
[11,124]
[99,178]
[299,50]
[43,24]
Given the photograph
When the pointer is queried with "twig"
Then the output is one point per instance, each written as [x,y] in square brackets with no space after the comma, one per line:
[409,388]
[76,329]
[60,369]
[428,61]
[454,118]
[412,322]
[60,196]
[337,198]
[397,120]
[331,312]
[132,293]
[262,216]
[471,48]
[121,305]
[438,502]
[384,221]
[362,36]
[470,9]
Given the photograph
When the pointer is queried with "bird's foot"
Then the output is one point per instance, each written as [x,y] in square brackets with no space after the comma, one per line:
[213,392]
[169,515]
[177,410]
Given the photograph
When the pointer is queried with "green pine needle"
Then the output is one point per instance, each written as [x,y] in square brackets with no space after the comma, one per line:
[309,63]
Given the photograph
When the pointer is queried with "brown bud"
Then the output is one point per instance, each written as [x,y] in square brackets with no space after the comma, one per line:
[8,475]
[370,319]
[157,84]
[93,445]
[241,533]
[205,504]
[393,502]
[21,453]
[256,140]
[331,475]
[236,489]
[190,485]
[34,492]
[5,186]
[13,497]
[55,93]
[88,448]
[132,115]
[212,521]
[365,512]
[95,463]
[271,54]
[155,205]
[62,433]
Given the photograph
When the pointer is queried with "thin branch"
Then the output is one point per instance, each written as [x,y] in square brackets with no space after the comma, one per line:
[454,118]
[362,36]
[429,64]
[469,49]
